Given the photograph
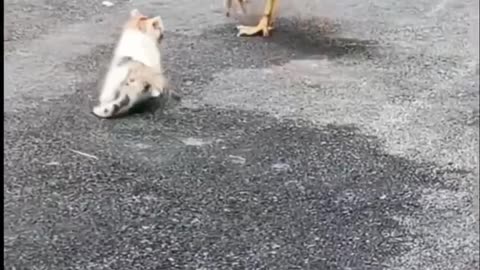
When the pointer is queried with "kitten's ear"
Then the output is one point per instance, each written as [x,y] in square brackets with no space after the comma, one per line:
[155,93]
[157,23]
[135,13]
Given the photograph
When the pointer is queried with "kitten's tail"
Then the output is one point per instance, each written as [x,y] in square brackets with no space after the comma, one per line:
[157,80]
[162,84]
[173,94]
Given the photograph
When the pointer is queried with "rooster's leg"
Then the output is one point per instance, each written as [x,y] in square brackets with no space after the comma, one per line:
[265,24]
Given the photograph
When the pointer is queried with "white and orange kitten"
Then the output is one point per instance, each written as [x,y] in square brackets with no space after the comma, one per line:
[135,72]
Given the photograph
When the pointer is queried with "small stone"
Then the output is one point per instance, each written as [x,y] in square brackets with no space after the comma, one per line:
[237,159]
[53,163]
[107,3]
[280,167]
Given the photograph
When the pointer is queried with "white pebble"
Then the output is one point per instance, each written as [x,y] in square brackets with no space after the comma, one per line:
[107,3]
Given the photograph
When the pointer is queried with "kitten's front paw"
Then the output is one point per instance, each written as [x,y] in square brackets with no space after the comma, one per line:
[101,111]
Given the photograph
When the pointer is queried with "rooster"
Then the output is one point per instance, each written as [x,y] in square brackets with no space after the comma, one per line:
[264,26]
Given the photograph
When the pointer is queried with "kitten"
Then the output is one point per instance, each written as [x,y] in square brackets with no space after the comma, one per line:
[135,72]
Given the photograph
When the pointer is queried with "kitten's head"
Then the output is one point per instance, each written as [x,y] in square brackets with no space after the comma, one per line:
[152,27]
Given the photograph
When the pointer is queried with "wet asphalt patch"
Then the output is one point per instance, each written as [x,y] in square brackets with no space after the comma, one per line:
[252,191]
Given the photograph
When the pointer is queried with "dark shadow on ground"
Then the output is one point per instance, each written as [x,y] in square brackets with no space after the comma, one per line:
[307,38]
[219,49]
[259,193]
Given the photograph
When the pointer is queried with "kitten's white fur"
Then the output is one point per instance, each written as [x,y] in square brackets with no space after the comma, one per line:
[140,47]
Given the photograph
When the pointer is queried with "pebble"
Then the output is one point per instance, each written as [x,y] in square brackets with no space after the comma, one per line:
[107,3]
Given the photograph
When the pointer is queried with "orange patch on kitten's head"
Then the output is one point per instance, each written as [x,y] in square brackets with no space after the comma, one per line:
[150,26]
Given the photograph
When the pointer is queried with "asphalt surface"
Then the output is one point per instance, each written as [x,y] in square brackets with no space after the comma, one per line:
[344,141]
